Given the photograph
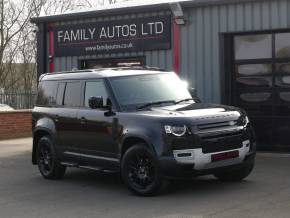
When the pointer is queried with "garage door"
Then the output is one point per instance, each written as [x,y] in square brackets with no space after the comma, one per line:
[261,84]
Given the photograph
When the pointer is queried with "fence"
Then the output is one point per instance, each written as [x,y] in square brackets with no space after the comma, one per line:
[19,99]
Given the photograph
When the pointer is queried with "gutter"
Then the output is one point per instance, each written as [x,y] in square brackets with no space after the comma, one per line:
[135,9]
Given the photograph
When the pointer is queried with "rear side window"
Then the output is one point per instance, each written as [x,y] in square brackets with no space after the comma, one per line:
[47,93]
[95,89]
[72,94]
[60,92]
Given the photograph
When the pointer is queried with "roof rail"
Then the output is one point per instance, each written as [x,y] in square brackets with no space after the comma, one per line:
[100,69]
[72,71]
[64,72]
[154,68]
[137,67]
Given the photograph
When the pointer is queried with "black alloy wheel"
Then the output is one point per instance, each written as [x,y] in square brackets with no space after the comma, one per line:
[48,164]
[45,159]
[140,171]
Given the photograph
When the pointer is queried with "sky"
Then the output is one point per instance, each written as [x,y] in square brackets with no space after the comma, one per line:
[123,4]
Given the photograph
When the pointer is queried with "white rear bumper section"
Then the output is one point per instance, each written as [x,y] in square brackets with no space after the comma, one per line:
[203,161]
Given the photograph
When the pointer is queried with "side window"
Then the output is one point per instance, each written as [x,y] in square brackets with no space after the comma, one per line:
[47,93]
[72,94]
[94,89]
[60,92]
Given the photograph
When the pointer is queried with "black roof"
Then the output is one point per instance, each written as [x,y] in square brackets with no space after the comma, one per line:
[134,9]
[100,73]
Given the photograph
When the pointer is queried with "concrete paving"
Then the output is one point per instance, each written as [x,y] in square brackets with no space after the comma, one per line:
[24,193]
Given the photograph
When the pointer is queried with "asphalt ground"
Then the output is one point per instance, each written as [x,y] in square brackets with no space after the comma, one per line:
[24,193]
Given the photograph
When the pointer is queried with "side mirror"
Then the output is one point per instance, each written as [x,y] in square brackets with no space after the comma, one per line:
[193,94]
[96,102]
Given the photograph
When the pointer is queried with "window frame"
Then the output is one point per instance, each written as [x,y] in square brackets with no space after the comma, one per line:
[111,96]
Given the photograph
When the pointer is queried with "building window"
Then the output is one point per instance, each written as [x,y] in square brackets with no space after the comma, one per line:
[253,47]
[282,43]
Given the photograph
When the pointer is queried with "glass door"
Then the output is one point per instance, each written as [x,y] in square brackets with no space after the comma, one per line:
[261,84]
[282,88]
[253,81]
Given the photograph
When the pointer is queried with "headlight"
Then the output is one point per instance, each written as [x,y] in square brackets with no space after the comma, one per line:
[176,130]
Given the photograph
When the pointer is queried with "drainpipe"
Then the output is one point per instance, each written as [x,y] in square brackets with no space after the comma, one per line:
[51,47]
[178,19]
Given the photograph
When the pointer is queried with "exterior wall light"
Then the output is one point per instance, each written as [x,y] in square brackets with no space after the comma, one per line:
[178,13]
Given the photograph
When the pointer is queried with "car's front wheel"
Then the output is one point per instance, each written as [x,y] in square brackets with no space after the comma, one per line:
[48,165]
[140,171]
[236,175]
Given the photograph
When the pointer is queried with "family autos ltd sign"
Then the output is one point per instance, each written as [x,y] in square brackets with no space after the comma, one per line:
[128,35]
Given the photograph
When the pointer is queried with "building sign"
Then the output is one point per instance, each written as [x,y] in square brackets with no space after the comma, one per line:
[128,35]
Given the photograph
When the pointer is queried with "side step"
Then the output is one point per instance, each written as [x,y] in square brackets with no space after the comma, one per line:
[99,169]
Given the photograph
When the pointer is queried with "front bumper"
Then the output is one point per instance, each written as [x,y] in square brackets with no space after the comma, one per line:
[193,162]
[203,161]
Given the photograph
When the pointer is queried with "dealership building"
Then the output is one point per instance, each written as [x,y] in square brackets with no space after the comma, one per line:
[234,52]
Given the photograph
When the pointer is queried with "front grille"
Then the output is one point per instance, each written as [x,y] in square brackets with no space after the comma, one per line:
[216,125]
[220,135]
[221,142]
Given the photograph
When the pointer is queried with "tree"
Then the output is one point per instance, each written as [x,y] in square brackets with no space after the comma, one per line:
[14,18]
[17,38]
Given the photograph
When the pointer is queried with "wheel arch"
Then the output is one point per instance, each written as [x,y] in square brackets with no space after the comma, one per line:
[132,140]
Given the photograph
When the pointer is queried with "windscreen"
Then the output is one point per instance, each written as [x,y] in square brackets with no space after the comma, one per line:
[142,89]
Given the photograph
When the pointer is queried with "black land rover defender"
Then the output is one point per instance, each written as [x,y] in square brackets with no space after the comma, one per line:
[140,122]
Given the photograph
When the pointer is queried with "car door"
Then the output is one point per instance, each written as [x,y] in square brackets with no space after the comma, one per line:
[97,131]
[68,103]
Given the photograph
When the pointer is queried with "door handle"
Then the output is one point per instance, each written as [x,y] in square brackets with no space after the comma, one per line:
[56,118]
[83,120]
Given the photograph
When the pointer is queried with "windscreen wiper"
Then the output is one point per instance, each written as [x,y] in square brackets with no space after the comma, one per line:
[155,103]
[186,99]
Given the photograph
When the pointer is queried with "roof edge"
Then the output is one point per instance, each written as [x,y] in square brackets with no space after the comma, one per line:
[105,12]
[135,9]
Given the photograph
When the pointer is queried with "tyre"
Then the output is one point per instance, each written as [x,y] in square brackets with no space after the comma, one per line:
[140,171]
[48,165]
[237,175]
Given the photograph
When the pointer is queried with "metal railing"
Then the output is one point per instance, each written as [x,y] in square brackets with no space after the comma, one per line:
[18,99]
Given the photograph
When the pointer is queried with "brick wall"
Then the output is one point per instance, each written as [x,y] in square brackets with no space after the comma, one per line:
[15,124]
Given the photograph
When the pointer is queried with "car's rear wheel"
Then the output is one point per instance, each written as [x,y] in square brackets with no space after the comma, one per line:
[48,165]
[236,175]
[140,171]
